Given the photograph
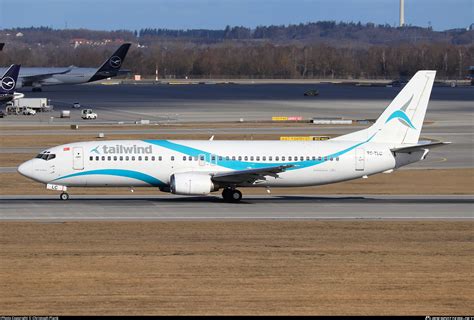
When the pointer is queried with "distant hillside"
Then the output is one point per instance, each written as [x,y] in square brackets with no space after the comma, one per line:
[313,50]
[328,32]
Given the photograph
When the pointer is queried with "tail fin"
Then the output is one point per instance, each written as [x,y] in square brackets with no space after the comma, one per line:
[112,65]
[9,79]
[402,121]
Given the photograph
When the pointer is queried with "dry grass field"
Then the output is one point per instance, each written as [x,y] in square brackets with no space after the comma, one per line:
[278,268]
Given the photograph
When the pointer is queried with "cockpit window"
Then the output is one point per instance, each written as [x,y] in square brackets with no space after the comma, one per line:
[46,156]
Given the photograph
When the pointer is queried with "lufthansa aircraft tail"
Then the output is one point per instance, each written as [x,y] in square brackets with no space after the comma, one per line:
[111,66]
[402,121]
[9,79]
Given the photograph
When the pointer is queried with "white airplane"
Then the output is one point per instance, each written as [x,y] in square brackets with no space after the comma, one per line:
[38,77]
[189,167]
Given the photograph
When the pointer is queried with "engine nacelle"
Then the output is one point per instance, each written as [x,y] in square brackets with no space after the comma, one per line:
[192,183]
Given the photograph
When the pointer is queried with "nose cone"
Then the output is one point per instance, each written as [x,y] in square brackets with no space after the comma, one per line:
[26,169]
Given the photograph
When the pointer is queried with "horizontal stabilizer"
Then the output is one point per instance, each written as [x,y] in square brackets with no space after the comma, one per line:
[419,147]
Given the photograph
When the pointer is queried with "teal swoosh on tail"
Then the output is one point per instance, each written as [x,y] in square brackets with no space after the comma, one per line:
[399,114]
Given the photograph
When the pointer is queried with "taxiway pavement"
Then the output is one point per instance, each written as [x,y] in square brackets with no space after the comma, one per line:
[295,207]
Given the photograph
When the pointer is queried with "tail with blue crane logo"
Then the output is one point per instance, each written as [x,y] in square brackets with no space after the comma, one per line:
[401,122]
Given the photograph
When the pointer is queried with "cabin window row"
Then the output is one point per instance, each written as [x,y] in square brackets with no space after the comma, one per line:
[214,158]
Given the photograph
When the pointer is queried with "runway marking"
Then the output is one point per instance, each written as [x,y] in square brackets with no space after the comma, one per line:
[233,218]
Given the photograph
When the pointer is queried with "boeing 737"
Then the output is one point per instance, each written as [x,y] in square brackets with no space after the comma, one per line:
[188,167]
[8,84]
[38,77]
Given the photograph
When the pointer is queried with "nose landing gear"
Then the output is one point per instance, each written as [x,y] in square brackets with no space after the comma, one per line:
[64,196]
[231,195]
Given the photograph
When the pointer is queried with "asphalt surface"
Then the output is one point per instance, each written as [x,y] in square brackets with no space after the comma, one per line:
[295,207]
[451,109]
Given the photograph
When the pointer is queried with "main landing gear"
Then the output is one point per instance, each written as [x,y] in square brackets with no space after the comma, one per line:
[231,195]
[64,196]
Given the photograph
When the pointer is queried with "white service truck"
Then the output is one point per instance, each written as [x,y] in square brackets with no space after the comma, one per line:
[87,114]
[37,104]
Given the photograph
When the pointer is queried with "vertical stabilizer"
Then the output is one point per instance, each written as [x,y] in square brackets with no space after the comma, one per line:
[402,121]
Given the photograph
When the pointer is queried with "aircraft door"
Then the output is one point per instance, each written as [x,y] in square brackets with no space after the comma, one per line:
[360,159]
[78,158]
[202,160]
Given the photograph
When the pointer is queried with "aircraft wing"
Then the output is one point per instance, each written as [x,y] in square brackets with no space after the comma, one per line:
[248,176]
[42,76]
[419,147]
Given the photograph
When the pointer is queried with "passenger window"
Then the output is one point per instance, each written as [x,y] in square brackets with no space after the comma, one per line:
[103,158]
[220,158]
[277,158]
[126,158]
[152,158]
[146,158]
[228,158]
[201,158]
[109,158]
[246,158]
[96,158]
[283,158]
[190,158]
[139,158]
[331,158]
[251,158]
[115,158]
[184,158]
[91,158]
[133,158]
[314,158]
[270,158]
[301,158]
[289,158]
[325,158]
[319,158]
[160,158]
[337,158]
[240,158]
[307,158]
[172,158]
[264,158]
[257,158]
[213,158]
[121,158]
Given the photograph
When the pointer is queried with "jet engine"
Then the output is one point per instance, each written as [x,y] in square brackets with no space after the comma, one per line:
[192,183]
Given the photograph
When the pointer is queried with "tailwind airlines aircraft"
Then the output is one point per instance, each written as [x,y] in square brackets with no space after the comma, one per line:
[189,167]
[38,77]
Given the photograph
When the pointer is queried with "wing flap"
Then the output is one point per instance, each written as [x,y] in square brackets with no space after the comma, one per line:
[248,176]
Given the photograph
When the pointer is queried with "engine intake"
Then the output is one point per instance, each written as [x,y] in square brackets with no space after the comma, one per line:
[192,183]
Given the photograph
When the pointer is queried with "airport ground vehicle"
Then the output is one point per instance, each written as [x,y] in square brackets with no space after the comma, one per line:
[76,105]
[191,167]
[2,114]
[27,111]
[311,93]
[88,114]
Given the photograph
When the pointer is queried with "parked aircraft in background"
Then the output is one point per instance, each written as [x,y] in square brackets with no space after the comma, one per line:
[190,167]
[8,84]
[38,77]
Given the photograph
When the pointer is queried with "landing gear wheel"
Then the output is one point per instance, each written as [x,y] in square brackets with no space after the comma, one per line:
[231,195]
[236,196]
[64,196]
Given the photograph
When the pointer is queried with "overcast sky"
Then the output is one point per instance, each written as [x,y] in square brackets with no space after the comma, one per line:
[216,14]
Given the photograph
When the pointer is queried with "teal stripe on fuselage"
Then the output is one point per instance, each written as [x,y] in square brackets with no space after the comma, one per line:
[121,173]
[243,165]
